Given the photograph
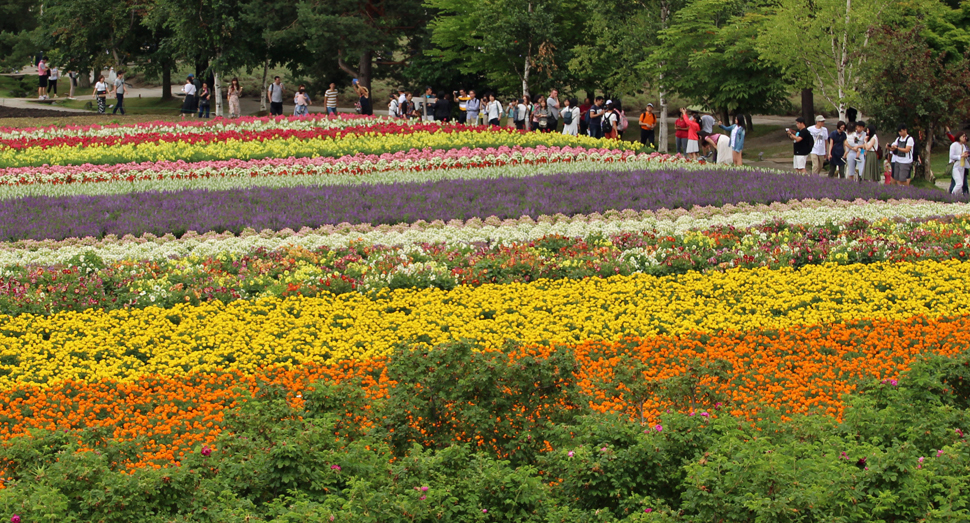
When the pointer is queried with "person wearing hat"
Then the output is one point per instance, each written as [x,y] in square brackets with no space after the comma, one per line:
[819,145]
[647,123]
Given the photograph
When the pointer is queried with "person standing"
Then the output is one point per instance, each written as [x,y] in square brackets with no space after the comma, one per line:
[188,105]
[42,75]
[856,157]
[235,91]
[442,108]
[902,156]
[802,143]
[521,114]
[706,122]
[736,133]
[472,106]
[393,106]
[541,116]
[595,118]
[511,110]
[958,159]
[555,114]
[101,94]
[493,111]
[819,138]
[680,133]
[872,171]
[462,98]
[836,151]
[648,121]
[55,75]
[364,105]
[330,98]
[584,116]
[693,134]
[119,91]
[275,94]
[611,121]
[72,76]
[570,117]
[204,101]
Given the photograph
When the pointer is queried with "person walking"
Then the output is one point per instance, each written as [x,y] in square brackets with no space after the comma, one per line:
[472,107]
[55,75]
[330,98]
[856,156]
[555,114]
[736,134]
[648,121]
[902,156]
[72,75]
[43,73]
[275,95]
[872,172]
[204,101]
[958,162]
[836,151]
[301,102]
[680,133]
[802,143]
[235,91]
[364,105]
[188,105]
[820,137]
[119,91]
[100,94]
[570,117]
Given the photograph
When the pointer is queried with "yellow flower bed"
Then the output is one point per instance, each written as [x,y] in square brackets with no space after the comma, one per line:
[367,143]
[248,335]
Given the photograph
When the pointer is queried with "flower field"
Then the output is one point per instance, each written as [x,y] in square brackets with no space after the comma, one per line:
[278,319]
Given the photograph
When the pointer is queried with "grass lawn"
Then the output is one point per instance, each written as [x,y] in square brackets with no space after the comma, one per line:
[133,106]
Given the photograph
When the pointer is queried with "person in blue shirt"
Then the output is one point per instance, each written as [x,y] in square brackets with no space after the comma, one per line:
[736,132]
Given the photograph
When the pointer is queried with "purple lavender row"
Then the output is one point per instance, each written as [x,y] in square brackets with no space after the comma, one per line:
[296,207]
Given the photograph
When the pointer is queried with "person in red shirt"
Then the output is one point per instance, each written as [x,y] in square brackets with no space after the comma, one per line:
[680,134]
[583,122]
[693,140]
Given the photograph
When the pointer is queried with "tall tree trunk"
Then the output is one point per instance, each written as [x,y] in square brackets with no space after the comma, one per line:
[527,67]
[748,124]
[217,92]
[927,150]
[724,116]
[808,106]
[365,70]
[262,96]
[166,81]
[662,91]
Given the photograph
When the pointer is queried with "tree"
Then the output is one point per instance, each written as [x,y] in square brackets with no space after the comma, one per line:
[81,42]
[615,50]
[356,35]
[19,32]
[518,45]
[709,55]
[906,81]
[822,43]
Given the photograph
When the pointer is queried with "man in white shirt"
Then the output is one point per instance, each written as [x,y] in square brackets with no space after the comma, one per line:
[521,112]
[819,137]
[275,93]
[902,156]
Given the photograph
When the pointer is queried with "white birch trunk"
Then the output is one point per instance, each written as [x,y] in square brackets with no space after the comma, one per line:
[262,96]
[662,121]
[217,91]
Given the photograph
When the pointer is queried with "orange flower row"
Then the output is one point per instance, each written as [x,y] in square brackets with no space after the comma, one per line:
[799,370]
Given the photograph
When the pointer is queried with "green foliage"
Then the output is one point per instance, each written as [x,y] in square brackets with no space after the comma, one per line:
[899,454]
[709,55]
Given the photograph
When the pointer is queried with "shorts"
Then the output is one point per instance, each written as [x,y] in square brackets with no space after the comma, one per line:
[43,81]
[901,171]
[692,146]
[800,162]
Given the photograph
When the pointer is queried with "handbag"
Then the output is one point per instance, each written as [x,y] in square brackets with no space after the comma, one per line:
[543,122]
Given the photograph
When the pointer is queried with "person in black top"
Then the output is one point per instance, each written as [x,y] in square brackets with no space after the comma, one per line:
[442,109]
[364,105]
[802,140]
[836,151]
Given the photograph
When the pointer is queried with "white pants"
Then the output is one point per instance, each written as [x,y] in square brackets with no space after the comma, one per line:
[958,173]
[855,164]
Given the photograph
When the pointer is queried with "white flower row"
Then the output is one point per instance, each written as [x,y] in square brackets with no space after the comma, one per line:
[812,212]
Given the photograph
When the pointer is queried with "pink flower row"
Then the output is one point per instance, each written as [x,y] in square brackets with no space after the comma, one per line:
[415,159]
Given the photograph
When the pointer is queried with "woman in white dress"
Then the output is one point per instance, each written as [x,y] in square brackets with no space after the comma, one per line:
[958,158]
[570,107]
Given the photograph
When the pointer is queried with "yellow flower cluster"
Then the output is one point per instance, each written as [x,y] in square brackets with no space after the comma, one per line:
[250,334]
[367,143]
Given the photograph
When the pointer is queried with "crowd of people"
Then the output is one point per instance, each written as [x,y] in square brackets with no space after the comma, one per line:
[49,77]
[696,138]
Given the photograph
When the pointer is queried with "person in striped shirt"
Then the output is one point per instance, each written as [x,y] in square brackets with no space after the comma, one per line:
[331,99]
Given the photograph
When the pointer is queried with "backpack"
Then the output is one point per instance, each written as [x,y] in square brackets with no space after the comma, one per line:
[567,116]
[607,125]
[622,123]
